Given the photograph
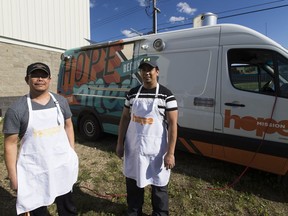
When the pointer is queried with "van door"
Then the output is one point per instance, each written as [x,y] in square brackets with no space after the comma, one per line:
[254,108]
[191,76]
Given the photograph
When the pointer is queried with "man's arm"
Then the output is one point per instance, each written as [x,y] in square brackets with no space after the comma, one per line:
[10,152]
[70,132]
[123,126]
[169,159]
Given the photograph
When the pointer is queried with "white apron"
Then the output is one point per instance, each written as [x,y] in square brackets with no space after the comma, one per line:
[47,166]
[146,144]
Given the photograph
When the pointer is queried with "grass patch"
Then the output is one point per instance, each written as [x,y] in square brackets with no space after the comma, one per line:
[197,186]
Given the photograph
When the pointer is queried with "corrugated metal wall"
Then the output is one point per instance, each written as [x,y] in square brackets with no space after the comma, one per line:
[54,23]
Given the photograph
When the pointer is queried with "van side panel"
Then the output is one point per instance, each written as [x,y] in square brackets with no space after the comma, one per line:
[188,67]
[271,157]
[95,82]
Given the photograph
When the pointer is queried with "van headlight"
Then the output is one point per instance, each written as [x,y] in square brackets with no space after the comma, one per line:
[159,44]
[65,57]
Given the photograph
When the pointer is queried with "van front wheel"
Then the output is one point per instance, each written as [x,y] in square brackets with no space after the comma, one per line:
[89,128]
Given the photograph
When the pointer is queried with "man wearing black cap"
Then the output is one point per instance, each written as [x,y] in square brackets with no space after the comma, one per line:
[147,138]
[47,165]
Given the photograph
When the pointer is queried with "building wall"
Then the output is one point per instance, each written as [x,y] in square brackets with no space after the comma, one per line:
[14,61]
[37,30]
[60,24]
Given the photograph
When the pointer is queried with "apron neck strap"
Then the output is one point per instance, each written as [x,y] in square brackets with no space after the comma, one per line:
[58,108]
[55,102]
[156,93]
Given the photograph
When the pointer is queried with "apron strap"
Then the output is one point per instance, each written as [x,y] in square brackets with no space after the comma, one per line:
[156,93]
[29,108]
[55,102]
[58,108]
[29,102]
[139,90]
[155,102]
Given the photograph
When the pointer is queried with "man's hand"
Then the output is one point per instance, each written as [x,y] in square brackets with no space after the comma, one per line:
[10,152]
[169,161]
[14,183]
[120,150]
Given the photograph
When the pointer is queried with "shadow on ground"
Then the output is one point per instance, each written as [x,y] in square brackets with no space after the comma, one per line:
[7,203]
[260,183]
[87,202]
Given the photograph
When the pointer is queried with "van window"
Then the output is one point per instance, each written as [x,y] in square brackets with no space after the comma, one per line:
[283,76]
[256,70]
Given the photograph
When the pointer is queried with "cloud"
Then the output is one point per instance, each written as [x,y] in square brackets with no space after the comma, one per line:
[174,19]
[92,3]
[143,3]
[184,7]
[129,33]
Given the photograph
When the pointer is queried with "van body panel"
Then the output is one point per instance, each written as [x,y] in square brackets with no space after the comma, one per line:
[232,34]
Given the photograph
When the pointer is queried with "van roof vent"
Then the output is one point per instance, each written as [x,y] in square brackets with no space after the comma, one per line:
[205,19]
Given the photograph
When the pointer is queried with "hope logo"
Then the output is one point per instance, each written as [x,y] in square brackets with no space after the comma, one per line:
[260,125]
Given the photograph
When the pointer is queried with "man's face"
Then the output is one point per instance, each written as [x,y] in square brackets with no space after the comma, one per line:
[149,74]
[39,81]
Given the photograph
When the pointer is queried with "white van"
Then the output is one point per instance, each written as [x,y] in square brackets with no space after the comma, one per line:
[231,84]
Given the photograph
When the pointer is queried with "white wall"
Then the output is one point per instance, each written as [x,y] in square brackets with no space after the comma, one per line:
[54,24]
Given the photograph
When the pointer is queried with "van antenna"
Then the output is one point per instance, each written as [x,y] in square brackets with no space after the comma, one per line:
[90,41]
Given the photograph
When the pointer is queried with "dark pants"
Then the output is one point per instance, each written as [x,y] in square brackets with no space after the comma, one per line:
[135,199]
[65,207]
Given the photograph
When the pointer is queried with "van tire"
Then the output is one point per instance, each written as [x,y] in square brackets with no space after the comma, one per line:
[89,128]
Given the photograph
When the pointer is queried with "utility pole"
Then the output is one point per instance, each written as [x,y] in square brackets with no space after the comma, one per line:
[155,11]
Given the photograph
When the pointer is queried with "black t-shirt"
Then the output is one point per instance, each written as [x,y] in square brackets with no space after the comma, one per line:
[166,100]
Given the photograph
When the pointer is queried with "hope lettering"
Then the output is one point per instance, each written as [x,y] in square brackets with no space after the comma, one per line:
[261,125]
[47,132]
[142,120]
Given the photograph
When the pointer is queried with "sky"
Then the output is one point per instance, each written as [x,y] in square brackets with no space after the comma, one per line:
[116,19]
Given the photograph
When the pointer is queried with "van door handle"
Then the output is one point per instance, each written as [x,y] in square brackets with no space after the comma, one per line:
[235,104]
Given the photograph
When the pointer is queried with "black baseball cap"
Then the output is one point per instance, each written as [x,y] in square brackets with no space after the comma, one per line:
[148,60]
[38,66]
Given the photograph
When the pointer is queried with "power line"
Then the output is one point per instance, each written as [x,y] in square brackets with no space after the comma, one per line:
[122,14]
[255,11]
[129,11]
[223,17]
[117,16]
[257,5]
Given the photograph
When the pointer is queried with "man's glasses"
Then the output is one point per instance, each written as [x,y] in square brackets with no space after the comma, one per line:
[39,75]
